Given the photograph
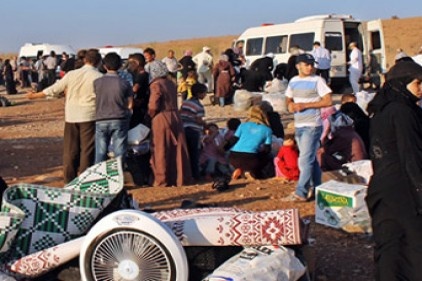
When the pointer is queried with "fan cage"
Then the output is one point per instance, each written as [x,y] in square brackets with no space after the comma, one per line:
[150,255]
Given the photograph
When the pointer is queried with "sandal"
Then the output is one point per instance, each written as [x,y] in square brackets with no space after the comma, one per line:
[292,197]
[237,173]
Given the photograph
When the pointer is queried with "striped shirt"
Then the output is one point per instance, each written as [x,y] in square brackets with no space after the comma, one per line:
[190,110]
[305,90]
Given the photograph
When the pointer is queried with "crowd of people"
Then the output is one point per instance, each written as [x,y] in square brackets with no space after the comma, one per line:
[105,99]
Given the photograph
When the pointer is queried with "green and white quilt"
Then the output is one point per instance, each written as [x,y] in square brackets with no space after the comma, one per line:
[35,217]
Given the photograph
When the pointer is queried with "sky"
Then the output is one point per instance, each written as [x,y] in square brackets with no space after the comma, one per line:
[98,23]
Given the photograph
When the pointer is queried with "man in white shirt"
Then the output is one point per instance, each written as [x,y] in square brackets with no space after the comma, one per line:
[79,114]
[355,67]
[171,63]
[204,65]
[323,61]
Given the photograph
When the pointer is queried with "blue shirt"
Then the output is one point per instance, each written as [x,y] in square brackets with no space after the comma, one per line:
[251,137]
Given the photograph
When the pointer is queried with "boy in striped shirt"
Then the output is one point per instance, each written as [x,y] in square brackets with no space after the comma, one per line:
[192,113]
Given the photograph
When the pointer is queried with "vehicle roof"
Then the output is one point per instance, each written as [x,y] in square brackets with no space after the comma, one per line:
[123,52]
[32,49]
[311,22]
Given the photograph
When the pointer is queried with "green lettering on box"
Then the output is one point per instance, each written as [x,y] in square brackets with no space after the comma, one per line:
[328,199]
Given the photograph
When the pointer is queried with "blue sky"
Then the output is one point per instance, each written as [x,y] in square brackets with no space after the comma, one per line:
[96,23]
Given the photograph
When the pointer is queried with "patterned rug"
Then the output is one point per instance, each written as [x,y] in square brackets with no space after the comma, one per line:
[35,217]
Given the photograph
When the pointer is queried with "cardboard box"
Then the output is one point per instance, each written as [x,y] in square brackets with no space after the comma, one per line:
[342,205]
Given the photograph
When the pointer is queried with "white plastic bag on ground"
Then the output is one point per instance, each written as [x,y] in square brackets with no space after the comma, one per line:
[264,263]
[363,98]
[362,168]
[243,99]
[137,134]
[277,101]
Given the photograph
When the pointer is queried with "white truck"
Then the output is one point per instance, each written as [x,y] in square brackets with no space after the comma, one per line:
[334,32]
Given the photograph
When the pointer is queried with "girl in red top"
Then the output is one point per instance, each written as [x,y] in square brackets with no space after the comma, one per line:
[286,166]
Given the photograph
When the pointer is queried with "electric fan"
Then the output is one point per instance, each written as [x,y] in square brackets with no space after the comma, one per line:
[132,245]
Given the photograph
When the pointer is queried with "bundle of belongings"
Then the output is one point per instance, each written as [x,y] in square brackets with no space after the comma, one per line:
[42,228]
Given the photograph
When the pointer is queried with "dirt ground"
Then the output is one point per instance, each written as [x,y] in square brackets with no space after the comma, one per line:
[31,139]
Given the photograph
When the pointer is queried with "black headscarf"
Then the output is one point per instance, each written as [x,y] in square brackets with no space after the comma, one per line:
[395,86]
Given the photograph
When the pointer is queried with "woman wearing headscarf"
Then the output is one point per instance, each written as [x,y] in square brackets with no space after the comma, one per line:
[342,144]
[169,155]
[9,78]
[251,152]
[224,75]
[395,190]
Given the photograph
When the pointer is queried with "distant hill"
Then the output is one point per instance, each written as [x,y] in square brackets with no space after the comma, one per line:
[403,33]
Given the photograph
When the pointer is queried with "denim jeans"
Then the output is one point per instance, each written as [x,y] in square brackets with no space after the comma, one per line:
[221,101]
[110,132]
[193,138]
[354,76]
[307,139]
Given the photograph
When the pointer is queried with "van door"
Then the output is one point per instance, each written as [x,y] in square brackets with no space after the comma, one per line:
[333,40]
[374,37]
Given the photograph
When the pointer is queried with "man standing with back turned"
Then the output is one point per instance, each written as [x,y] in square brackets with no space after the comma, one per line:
[79,128]
[306,94]
[323,61]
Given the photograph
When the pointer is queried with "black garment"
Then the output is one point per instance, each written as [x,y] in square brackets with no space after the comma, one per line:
[187,64]
[291,68]
[264,66]
[324,73]
[68,65]
[395,191]
[252,81]
[141,99]
[360,121]
[280,71]
[9,80]
[260,165]
[275,124]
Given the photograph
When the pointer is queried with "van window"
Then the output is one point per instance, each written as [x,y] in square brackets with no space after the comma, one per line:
[333,41]
[375,40]
[254,47]
[305,41]
[276,44]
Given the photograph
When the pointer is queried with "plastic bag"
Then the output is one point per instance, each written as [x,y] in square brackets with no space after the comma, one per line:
[277,101]
[264,263]
[244,99]
[137,134]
